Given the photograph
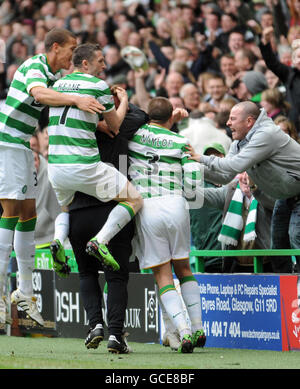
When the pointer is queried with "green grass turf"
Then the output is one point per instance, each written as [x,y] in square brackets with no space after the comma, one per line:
[60,353]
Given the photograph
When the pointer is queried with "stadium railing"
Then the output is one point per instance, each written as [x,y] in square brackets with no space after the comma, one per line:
[43,259]
[257,255]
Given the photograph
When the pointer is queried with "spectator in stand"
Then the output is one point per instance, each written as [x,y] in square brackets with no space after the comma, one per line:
[202,84]
[273,81]
[241,10]
[294,8]
[285,54]
[228,23]
[293,33]
[287,126]
[179,33]
[244,60]
[259,7]
[272,15]
[182,68]
[236,41]
[189,16]
[228,68]
[176,102]
[226,104]
[171,85]
[123,32]
[273,101]
[167,87]
[212,27]
[207,110]
[250,86]
[190,96]
[220,121]
[181,53]
[115,65]
[218,91]
[194,50]
[289,75]
[163,31]
[135,39]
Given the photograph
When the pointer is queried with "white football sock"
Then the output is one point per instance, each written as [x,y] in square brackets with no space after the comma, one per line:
[173,305]
[62,224]
[191,297]
[117,219]
[169,326]
[24,246]
[7,227]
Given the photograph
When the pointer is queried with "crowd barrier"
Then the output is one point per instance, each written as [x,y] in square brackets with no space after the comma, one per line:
[257,255]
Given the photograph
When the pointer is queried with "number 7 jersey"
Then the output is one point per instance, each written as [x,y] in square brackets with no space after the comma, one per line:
[71,131]
[160,164]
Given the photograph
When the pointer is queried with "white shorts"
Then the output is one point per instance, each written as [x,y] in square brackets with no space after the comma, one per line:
[18,177]
[163,231]
[99,180]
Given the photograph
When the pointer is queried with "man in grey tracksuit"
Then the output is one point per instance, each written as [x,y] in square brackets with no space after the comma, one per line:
[272,160]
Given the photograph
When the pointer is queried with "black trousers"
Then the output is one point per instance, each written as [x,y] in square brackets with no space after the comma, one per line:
[84,225]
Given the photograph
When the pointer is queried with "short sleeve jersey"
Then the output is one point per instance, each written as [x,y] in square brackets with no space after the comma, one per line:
[71,131]
[20,113]
[160,164]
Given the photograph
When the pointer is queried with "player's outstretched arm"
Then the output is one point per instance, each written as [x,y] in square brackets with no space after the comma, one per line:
[50,97]
[115,118]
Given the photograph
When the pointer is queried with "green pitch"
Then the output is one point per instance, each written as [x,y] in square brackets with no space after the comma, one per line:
[60,353]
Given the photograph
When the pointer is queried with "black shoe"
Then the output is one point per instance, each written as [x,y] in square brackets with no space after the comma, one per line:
[118,345]
[95,336]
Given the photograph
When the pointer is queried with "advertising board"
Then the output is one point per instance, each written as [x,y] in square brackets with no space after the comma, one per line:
[249,311]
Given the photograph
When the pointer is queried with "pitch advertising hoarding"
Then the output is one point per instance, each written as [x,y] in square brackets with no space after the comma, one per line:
[249,311]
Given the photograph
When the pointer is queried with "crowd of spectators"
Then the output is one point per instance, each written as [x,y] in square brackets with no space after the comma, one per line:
[204,55]
[199,52]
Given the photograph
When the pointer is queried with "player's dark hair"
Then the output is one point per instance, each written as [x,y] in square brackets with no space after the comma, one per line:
[84,51]
[57,35]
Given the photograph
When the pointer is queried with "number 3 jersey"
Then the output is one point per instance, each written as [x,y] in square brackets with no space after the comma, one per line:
[71,131]
[160,164]
[20,113]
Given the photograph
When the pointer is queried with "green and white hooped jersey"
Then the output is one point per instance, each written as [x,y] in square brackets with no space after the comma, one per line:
[20,113]
[159,164]
[71,131]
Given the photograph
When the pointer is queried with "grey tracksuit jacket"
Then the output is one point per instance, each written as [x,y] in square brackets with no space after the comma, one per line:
[269,156]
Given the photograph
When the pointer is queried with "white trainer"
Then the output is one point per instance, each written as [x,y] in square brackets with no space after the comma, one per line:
[28,305]
[4,311]
[171,339]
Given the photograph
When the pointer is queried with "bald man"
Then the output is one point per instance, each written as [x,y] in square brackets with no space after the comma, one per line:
[272,160]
